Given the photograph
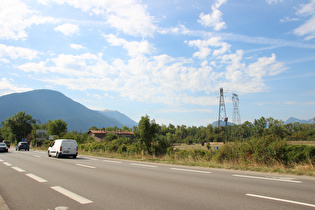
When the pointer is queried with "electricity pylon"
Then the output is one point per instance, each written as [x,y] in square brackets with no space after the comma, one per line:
[236,118]
[222,111]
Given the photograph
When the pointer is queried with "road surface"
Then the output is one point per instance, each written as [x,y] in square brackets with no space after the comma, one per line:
[32,180]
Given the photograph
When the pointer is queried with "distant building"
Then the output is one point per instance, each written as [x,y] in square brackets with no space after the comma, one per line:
[100,134]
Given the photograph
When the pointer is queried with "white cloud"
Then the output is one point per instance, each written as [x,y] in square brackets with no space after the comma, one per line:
[265,66]
[68,29]
[215,18]
[17,52]
[288,19]
[128,16]
[16,17]
[205,51]
[274,1]
[77,46]
[157,79]
[307,29]
[134,48]
[7,88]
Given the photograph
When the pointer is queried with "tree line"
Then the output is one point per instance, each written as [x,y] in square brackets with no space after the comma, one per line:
[153,136]
[263,142]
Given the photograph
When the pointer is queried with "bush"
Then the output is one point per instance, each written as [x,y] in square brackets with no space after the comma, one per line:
[299,154]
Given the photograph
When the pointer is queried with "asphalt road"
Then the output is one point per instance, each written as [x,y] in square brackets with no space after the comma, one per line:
[32,180]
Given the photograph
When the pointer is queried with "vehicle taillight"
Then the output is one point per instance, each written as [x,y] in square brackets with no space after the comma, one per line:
[60,148]
[77,148]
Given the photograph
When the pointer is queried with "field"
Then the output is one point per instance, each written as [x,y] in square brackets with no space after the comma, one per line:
[309,143]
[215,145]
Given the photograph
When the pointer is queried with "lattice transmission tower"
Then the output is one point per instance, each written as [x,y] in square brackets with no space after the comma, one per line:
[222,111]
[236,118]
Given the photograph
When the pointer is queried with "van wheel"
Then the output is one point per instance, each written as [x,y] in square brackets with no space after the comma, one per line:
[74,156]
[49,154]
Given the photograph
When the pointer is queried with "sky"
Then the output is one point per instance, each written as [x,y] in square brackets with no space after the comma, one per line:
[166,59]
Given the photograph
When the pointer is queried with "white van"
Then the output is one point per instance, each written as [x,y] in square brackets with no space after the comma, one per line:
[63,148]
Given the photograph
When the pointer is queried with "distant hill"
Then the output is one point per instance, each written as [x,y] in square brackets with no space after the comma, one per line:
[222,123]
[120,117]
[293,120]
[44,105]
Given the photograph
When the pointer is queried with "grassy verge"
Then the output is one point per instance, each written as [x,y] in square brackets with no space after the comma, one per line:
[298,169]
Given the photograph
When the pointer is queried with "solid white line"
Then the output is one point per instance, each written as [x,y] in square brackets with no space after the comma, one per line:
[86,166]
[72,195]
[36,178]
[18,169]
[7,164]
[143,165]
[189,170]
[282,200]
[266,178]
[112,161]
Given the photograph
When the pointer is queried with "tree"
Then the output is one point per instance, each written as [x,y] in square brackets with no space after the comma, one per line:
[57,127]
[260,126]
[19,125]
[146,131]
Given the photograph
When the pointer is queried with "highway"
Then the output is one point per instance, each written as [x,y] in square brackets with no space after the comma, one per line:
[32,180]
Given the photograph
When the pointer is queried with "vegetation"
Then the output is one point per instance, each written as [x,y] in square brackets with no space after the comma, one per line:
[266,144]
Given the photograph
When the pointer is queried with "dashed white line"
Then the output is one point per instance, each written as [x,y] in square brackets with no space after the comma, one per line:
[112,161]
[72,195]
[86,166]
[282,200]
[7,164]
[18,169]
[143,165]
[189,170]
[1,160]
[269,178]
[37,178]
[36,156]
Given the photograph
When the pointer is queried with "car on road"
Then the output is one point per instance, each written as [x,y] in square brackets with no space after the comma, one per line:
[22,145]
[63,148]
[3,147]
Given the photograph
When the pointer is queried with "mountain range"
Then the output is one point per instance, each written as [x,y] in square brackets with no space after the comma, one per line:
[44,105]
[293,120]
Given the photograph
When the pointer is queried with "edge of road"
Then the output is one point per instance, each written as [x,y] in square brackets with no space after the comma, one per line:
[3,204]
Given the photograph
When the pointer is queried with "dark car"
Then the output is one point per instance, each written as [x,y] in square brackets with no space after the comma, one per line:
[3,147]
[22,145]
[7,142]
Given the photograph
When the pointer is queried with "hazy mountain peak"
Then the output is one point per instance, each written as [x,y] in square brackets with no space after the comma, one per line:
[45,104]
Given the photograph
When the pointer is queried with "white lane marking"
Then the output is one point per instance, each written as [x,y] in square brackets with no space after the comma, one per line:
[37,178]
[72,195]
[91,158]
[7,164]
[112,161]
[36,156]
[1,160]
[282,200]
[18,169]
[86,166]
[189,170]
[143,165]
[267,178]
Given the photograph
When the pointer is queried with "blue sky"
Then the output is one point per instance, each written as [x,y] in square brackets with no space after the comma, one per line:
[167,58]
